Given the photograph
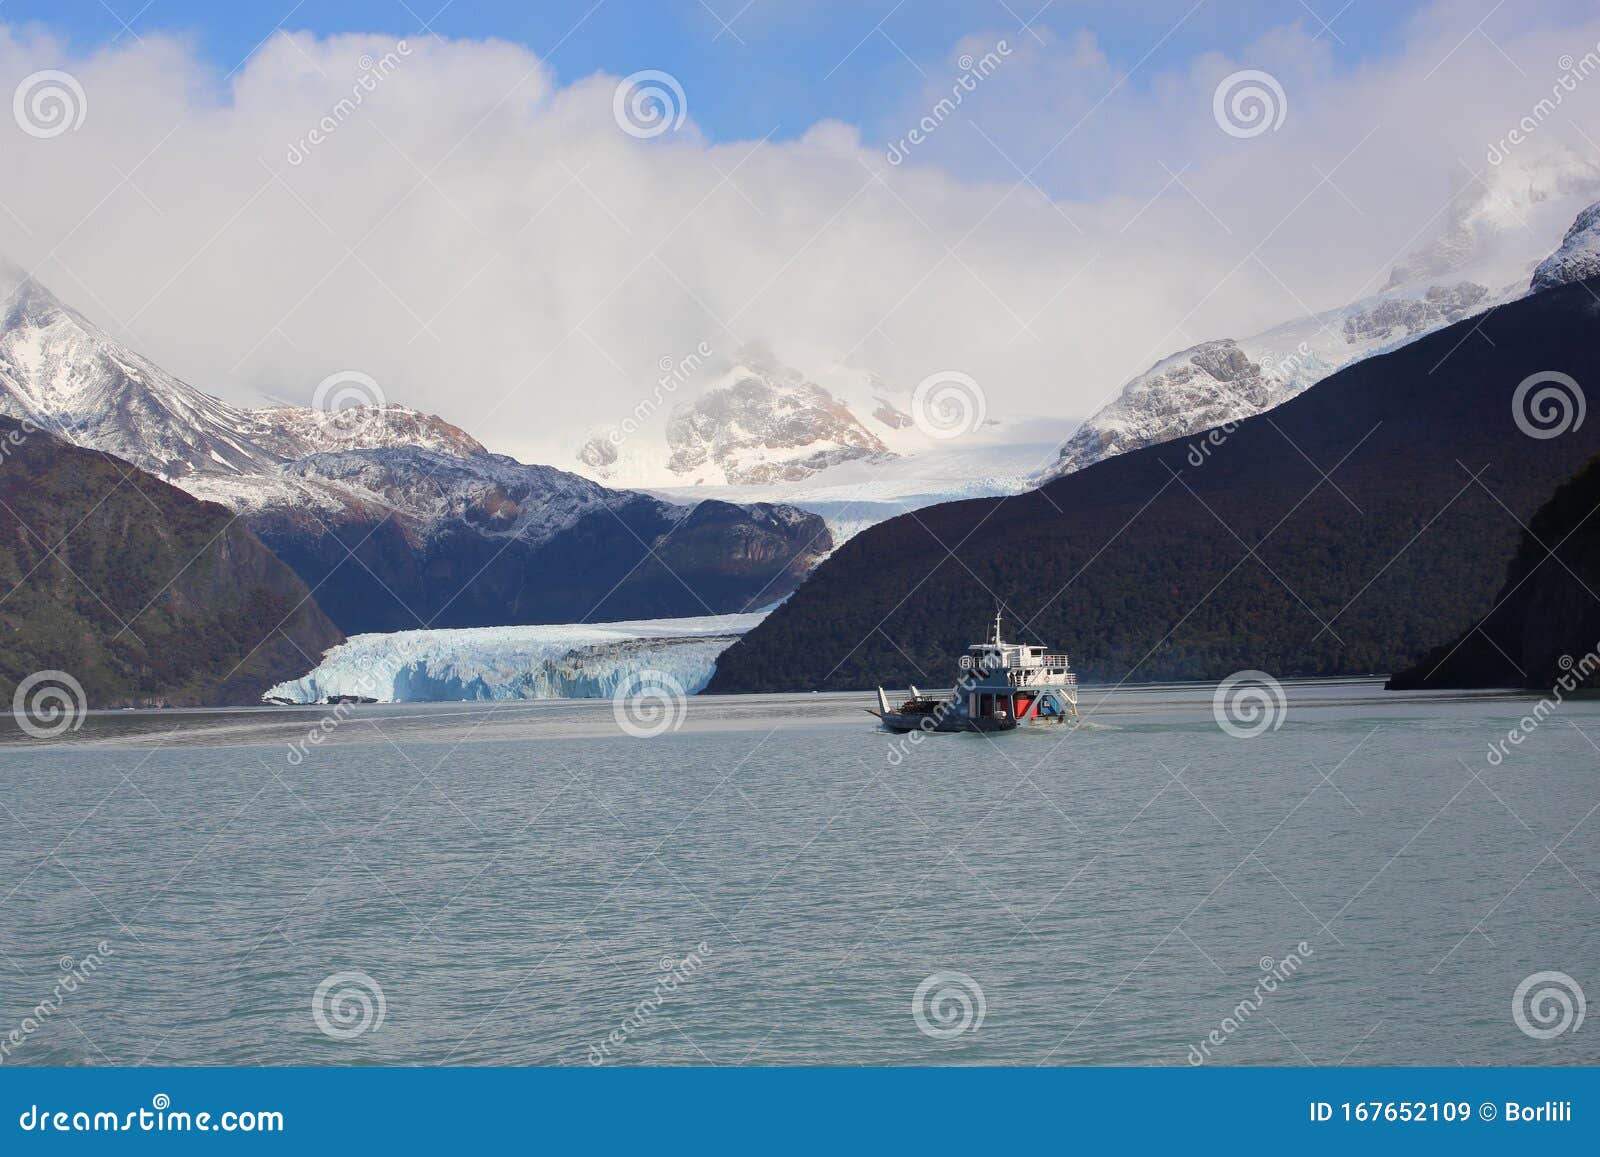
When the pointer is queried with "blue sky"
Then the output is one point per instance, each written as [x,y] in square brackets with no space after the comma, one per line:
[485,227]
[783,63]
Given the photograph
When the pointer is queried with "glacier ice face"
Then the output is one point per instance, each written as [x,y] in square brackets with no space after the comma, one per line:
[576,661]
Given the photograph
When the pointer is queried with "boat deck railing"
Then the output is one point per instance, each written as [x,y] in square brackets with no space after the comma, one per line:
[1032,661]
[1041,677]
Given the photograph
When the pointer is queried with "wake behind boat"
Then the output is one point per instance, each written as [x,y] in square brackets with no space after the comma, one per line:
[1002,686]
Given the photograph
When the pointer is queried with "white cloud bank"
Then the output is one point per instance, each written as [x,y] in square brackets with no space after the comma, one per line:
[489,244]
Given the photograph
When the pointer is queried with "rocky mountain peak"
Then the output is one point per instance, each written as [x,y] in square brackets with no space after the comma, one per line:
[765,423]
[1578,257]
[61,370]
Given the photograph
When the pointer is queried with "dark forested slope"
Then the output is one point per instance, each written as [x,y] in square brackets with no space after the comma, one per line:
[1148,566]
[140,593]
[1546,618]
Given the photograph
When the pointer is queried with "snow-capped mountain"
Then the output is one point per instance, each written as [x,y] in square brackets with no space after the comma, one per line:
[62,371]
[1497,233]
[757,424]
[1579,255]
[842,443]
[1226,380]
[997,459]
[579,661]
[416,488]
[396,518]
[762,428]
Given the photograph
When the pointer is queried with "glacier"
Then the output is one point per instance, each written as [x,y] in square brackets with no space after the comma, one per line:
[565,661]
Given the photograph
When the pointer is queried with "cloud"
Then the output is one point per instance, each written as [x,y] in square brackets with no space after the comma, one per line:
[487,243]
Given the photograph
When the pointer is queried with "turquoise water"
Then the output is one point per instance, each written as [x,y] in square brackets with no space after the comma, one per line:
[768,884]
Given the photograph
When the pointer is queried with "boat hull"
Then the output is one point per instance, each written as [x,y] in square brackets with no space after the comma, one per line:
[901,724]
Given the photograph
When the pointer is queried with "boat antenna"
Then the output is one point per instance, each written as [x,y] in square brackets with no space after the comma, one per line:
[997,609]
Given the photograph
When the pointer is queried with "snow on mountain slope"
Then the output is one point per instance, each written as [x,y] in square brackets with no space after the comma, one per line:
[1579,255]
[758,423]
[418,489]
[1226,381]
[840,442]
[997,459]
[301,430]
[395,518]
[1496,234]
[67,374]
[577,661]
[62,372]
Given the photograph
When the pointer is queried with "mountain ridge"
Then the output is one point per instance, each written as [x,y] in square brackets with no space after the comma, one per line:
[142,594]
[380,508]
[1477,262]
[1149,566]
[1545,621]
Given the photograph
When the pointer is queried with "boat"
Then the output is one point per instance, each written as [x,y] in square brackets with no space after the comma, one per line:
[1002,686]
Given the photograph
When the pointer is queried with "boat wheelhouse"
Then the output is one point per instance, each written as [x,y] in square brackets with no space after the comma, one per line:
[1001,686]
